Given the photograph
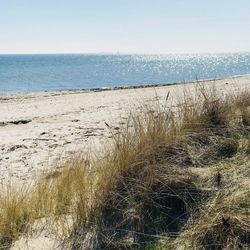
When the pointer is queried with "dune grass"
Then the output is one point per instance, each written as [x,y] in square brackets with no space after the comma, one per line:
[15,214]
[174,176]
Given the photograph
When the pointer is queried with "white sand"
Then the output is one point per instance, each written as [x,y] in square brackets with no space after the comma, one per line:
[62,123]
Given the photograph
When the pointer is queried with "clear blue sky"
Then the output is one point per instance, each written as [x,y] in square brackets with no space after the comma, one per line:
[125,26]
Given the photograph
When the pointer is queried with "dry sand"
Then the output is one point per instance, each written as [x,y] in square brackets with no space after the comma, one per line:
[39,129]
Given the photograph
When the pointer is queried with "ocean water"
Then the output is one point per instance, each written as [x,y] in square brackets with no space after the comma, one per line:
[28,73]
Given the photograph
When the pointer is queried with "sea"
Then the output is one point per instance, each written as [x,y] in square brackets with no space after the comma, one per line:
[32,73]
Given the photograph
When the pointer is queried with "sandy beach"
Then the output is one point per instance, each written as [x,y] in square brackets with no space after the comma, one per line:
[39,129]
[124,125]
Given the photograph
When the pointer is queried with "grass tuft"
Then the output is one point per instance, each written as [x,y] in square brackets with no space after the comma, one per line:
[16,214]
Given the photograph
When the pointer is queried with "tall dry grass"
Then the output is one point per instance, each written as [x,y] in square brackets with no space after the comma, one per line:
[17,213]
[141,189]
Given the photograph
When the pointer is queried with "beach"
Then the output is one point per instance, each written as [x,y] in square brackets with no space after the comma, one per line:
[124,125]
[40,130]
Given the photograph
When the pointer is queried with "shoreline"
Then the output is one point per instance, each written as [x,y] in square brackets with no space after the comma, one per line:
[39,130]
[125,87]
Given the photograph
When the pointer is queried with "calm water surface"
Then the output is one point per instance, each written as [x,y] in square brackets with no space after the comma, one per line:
[28,73]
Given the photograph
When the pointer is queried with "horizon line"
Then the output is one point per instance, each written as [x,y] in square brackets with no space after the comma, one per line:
[126,53]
